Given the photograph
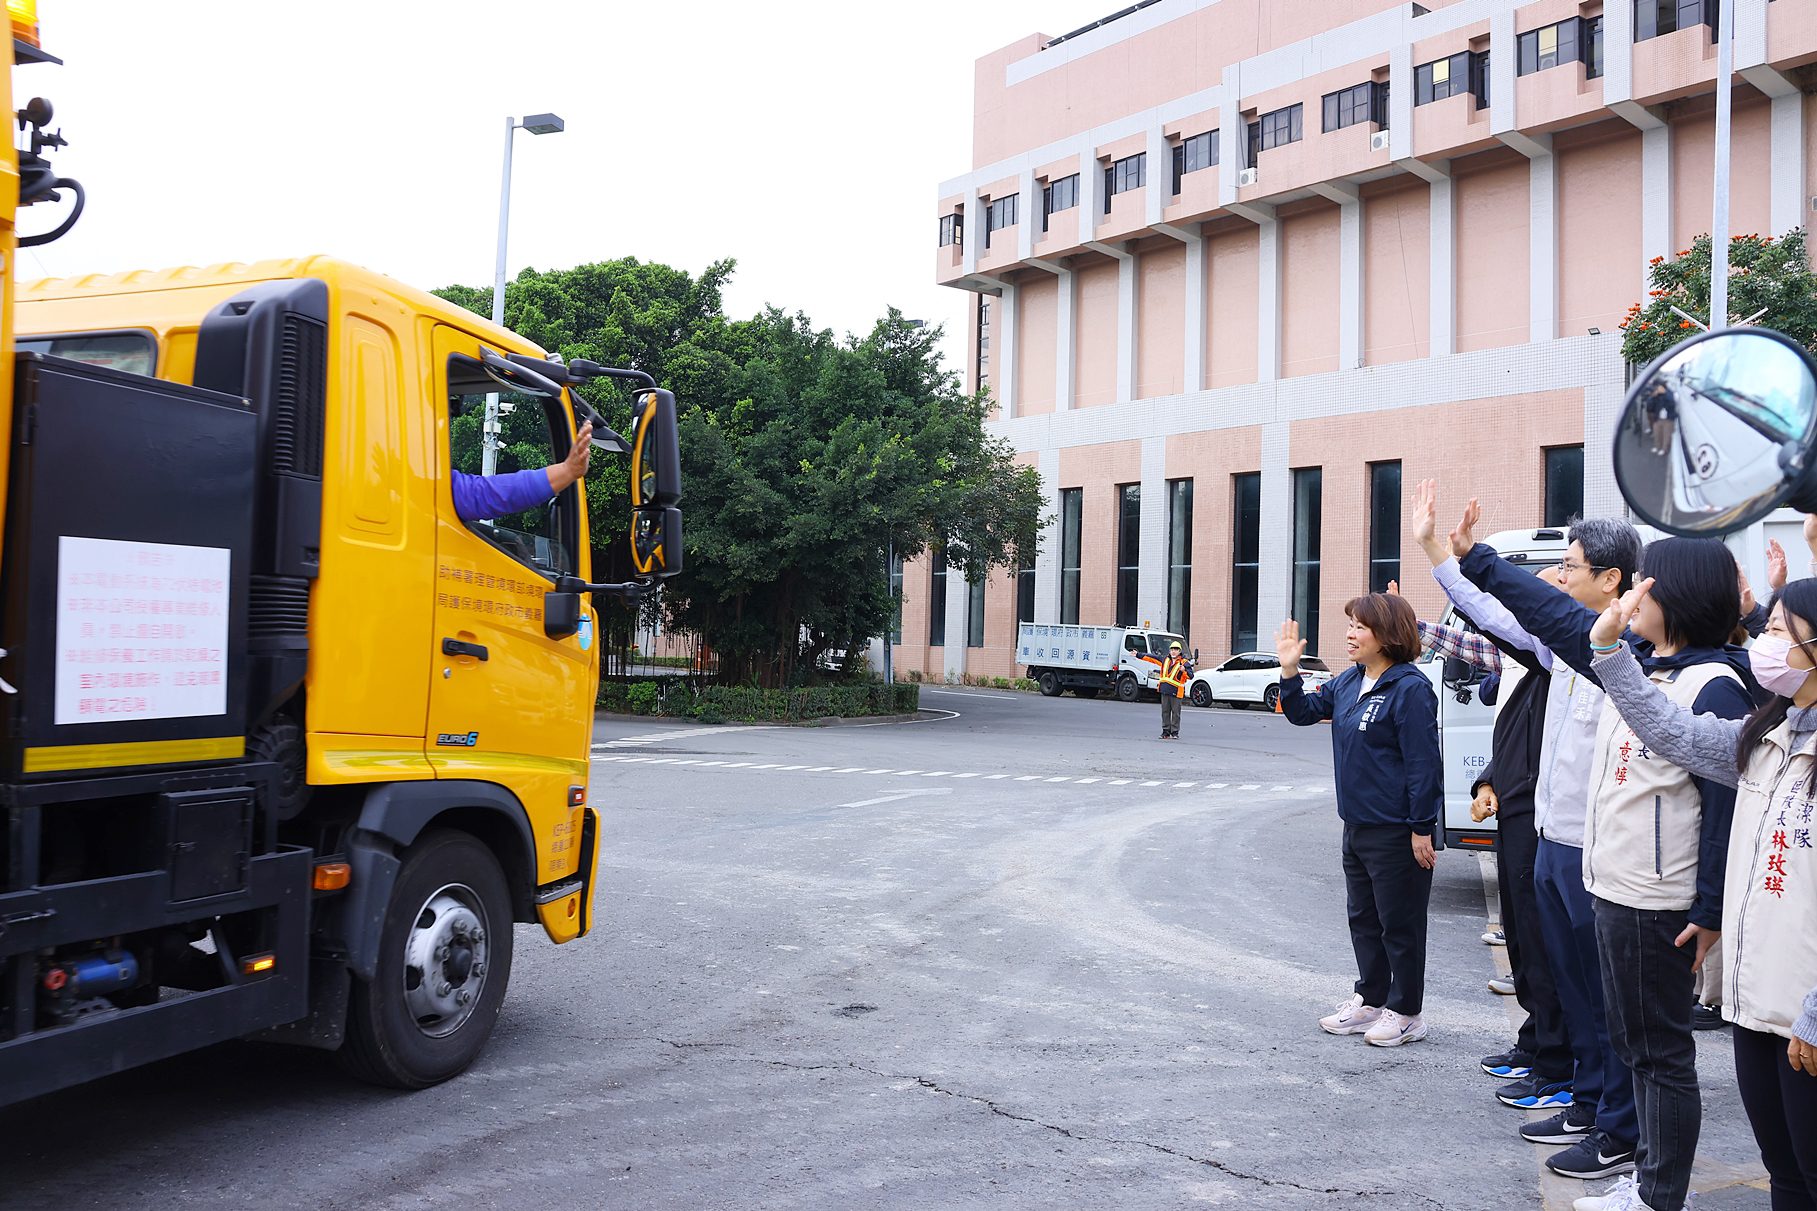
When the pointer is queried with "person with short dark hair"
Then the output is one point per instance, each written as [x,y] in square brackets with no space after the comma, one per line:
[1390,788]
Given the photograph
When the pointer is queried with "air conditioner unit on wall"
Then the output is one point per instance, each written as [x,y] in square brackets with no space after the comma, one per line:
[1246,178]
[1378,141]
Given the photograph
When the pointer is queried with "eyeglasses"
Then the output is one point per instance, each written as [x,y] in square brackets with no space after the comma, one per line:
[1568,566]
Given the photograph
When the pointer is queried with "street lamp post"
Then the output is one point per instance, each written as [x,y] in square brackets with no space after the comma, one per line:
[1719,219]
[536,124]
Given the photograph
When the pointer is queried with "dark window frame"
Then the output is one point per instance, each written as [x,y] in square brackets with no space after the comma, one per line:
[1279,127]
[1308,541]
[1568,41]
[1245,560]
[1194,154]
[974,613]
[1657,18]
[1072,541]
[1365,102]
[1384,524]
[1131,172]
[1561,502]
[1129,554]
[1179,556]
[1465,72]
[1058,196]
[952,230]
[936,598]
[999,214]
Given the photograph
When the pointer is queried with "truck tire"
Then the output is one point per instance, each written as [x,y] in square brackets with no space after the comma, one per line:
[1270,697]
[1201,694]
[1128,688]
[444,961]
[1050,685]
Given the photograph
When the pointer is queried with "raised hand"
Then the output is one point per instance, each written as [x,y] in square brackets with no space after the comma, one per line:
[1425,521]
[1289,647]
[1394,588]
[1614,620]
[1810,533]
[1464,537]
[1776,565]
[1747,591]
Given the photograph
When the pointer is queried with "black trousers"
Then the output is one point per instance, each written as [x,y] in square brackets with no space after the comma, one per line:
[1170,713]
[1542,1035]
[1782,1107]
[1386,893]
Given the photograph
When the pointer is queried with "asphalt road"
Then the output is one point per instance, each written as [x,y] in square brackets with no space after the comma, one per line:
[1026,956]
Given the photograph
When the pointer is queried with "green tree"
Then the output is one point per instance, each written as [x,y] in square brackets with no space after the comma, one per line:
[1765,275]
[803,456]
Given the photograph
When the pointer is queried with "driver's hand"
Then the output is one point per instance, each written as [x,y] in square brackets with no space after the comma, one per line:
[574,467]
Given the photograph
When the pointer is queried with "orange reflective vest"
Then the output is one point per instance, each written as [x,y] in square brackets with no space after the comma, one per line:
[1174,675]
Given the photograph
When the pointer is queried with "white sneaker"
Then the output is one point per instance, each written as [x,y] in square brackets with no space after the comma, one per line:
[1352,1017]
[1624,1195]
[1393,1029]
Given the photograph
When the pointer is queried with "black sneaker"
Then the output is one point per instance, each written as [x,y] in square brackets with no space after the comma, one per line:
[1565,1127]
[1594,1156]
[1509,1065]
[1535,1093]
[1706,1017]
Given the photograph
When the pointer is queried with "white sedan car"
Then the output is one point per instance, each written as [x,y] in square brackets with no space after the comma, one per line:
[1251,677]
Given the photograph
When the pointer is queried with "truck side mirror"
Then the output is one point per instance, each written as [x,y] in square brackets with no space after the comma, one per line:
[655,452]
[1719,432]
[561,614]
[656,541]
[1460,674]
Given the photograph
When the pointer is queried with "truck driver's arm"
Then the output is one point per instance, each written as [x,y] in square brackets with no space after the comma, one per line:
[478,497]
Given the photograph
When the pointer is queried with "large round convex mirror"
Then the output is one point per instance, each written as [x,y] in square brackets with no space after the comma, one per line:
[1717,433]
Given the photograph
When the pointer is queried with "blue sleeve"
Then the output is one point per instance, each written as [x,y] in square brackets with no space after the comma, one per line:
[1489,689]
[478,497]
[1554,618]
[1755,620]
[1416,723]
[1725,699]
[1303,709]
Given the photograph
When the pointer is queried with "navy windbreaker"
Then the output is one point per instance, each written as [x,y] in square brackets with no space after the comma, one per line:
[1384,744]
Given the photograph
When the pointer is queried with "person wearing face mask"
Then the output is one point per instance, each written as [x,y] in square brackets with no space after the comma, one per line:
[1389,773]
[1769,917]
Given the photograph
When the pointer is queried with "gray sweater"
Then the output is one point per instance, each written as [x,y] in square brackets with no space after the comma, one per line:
[1703,745]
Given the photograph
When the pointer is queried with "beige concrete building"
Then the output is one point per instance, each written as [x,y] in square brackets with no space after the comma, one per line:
[1246,270]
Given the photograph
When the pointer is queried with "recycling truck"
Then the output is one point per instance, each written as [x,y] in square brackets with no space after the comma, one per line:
[1092,660]
[287,746]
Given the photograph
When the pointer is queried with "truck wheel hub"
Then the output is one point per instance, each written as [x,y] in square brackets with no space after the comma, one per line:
[445,960]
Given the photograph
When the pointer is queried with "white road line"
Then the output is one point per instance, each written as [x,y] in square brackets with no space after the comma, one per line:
[907,773]
[736,764]
[786,768]
[818,769]
[850,769]
[892,796]
[965,775]
[1121,781]
[1280,788]
[880,771]
[994,777]
[1062,778]
[1180,786]
[937,773]
[1089,781]
[1029,778]
[1056,779]
[706,763]
[1217,786]
[1151,784]
[1250,786]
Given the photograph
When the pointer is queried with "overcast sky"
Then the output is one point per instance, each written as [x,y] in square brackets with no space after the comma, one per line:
[806,138]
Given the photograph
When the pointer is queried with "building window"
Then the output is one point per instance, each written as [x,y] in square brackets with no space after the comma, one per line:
[952,229]
[896,599]
[1057,196]
[1129,552]
[1384,525]
[1179,556]
[1280,128]
[1200,151]
[1551,45]
[1308,523]
[1126,174]
[1072,505]
[1593,47]
[1246,560]
[1000,213]
[1025,594]
[1564,485]
[936,601]
[1655,17]
[1366,102]
[1464,72]
[974,615]
[984,339]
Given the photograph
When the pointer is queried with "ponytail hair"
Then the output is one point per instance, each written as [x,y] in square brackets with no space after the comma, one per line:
[1799,601]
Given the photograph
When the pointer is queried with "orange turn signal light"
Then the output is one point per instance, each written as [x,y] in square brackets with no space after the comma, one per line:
[332,876]
[23,15]
[258,964]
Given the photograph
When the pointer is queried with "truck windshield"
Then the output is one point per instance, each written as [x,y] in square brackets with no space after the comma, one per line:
[1158,643]
[545,537]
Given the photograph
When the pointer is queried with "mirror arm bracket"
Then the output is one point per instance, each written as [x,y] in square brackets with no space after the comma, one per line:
[630,590]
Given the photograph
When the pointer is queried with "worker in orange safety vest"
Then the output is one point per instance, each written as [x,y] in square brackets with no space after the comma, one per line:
[1176,671]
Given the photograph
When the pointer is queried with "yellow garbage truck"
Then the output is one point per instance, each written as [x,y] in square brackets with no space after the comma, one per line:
[288,742]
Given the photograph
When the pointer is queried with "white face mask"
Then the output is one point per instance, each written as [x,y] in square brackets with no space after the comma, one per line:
[1767,657]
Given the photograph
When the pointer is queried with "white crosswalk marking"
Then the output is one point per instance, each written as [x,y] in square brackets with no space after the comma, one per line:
[688,734]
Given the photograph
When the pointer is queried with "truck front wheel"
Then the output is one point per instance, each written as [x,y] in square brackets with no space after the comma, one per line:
[444,961]
[1128,688]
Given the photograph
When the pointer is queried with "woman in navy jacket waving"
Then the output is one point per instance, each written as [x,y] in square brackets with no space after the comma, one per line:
[1384,741]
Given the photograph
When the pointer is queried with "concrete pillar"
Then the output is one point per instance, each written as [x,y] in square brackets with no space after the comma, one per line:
[1443,324]
[1047,559]
[1151,590]
[1127,319]
[1159,192]
[1028,214]
[1196,344]
[1091,190]
[1350,281]
[1655,200]
[1003,354]
[974,231]
[1066,338]
[1268,303]
[1504,56]
[1542,236]
[958,613]
[1788,161]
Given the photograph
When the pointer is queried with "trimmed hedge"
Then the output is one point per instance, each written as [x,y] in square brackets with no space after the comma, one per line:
[750,704]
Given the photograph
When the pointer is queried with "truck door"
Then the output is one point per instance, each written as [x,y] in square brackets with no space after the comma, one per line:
[1466,729]
[509,705]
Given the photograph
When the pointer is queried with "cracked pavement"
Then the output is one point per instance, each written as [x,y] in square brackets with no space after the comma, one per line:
[813,985]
